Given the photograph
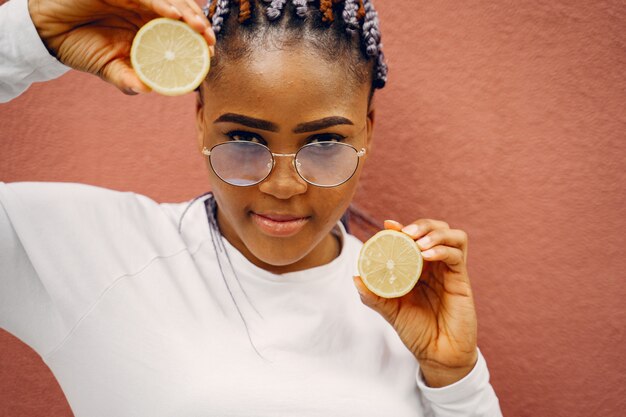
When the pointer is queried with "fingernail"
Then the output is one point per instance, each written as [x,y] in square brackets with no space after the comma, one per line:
[212,50]
[411,230]
[129,91]
[424,242]
[428,253]
[392,224]
[209,31]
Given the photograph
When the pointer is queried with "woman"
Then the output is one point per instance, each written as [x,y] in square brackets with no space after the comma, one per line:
[239,302]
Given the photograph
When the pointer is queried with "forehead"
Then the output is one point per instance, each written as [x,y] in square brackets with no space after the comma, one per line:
[286,86]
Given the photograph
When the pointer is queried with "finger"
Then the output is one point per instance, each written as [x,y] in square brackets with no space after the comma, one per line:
[386,307]
[187,10]
[450,237]
[392,225]
[421,227]
[194,17]
[452,257]
[119,73]
[456,283]
[160,7]
[141,18]
[195,7]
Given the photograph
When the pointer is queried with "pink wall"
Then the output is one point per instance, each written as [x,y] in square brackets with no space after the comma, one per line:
[506,119]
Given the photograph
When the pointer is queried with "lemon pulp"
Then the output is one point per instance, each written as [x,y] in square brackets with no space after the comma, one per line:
[390,264]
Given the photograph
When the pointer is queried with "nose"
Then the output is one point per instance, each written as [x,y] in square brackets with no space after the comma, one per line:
[284,182]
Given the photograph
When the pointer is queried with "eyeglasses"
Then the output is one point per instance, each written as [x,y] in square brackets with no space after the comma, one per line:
[245,163]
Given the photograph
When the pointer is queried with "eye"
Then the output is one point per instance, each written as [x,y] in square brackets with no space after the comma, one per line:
[245,137]
[326,138]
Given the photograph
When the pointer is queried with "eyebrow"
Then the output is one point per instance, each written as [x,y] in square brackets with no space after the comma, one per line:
[247,121]
[322,124]
[273,127]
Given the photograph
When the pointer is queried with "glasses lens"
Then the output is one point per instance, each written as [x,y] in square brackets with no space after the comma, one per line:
[327,163]
[241,163]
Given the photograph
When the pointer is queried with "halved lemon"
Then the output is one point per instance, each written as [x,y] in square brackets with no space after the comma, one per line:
[390,264]
[170,57]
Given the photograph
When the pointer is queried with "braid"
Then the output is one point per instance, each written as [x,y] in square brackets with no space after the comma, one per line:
[275,8]
[326,7]
[380,78]
[222,9]
[371,35]
[244,10]
[209,8]
[350,15]
[373,44]
[302,7]
[358,16]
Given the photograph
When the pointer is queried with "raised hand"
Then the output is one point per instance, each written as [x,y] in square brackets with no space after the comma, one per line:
[95,36]
[437,319]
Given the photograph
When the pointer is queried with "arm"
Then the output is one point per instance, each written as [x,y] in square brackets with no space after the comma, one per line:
[473,395]
[437,322]
[24,57]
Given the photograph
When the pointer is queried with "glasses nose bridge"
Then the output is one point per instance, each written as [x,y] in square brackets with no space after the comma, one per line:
[294,161]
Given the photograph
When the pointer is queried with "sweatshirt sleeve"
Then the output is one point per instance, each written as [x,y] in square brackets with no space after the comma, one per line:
[23,57]
[472,396]
[62,245]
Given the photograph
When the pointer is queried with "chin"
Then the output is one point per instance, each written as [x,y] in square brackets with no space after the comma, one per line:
[275,253]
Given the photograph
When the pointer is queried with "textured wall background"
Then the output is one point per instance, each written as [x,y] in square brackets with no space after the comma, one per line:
[506,119]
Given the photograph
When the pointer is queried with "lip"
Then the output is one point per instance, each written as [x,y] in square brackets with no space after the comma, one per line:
[279,225]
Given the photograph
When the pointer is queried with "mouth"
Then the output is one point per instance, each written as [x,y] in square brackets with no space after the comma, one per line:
[279,225]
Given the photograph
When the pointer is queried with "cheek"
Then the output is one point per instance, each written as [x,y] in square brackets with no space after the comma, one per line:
[333,202]
[232,201]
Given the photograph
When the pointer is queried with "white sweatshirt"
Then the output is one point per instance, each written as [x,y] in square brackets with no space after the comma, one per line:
[139,310]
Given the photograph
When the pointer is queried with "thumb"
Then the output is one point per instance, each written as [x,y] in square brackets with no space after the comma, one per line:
[386,307]
[120,73]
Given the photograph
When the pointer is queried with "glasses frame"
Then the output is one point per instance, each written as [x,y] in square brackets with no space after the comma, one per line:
[296,165]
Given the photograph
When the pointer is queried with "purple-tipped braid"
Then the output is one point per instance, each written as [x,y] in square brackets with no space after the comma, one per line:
[275,9]
[302,6]
[221,11]
[371,33]
[350,10]
[381,70]
[373,44]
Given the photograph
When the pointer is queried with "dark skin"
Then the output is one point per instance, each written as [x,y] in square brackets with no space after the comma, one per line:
[277,88]
[437,319]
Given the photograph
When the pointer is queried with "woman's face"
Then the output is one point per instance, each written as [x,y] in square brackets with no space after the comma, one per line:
[284,99]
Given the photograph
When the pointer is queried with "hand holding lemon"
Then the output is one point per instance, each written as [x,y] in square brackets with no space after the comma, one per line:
[435,318]
[95,36]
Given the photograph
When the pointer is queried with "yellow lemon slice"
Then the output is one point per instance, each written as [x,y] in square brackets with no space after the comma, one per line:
[170,57]
[390,263]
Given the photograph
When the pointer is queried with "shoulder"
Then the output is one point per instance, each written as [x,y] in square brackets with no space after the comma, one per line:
[82,215]
[76,201]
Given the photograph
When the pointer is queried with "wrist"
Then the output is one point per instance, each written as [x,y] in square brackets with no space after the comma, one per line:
[437,375]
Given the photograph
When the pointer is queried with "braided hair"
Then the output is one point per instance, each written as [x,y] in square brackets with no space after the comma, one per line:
[334,26]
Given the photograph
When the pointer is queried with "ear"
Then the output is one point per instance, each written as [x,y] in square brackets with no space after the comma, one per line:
[371,113]
[200,119]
